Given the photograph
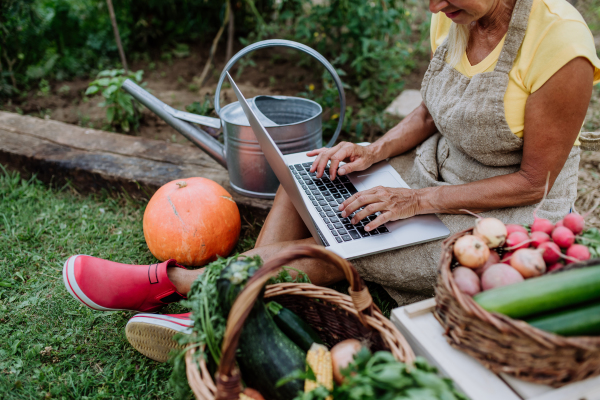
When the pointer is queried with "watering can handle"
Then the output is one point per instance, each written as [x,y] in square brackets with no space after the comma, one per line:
[297,46]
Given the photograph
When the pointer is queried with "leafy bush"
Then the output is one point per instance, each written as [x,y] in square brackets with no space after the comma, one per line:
[367,41]
[122,111]
[60,39]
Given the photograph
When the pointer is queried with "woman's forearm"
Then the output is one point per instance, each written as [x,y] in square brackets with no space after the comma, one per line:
[409,133]
[512,190]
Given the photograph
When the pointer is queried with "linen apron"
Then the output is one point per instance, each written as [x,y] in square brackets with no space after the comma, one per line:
[473,142]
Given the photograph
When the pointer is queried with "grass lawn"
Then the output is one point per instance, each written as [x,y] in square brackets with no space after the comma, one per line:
[54,347]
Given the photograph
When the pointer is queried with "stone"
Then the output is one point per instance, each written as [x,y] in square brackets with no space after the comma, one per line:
[405,103]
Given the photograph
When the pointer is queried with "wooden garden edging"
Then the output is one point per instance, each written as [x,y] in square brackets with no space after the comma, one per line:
[93,160]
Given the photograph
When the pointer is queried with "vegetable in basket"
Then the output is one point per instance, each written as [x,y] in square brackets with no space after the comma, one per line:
[380,376]
[266,354]
[577,321]
[542,294]
[293,326]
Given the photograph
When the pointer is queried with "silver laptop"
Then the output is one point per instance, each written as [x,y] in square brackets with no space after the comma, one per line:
[317,200]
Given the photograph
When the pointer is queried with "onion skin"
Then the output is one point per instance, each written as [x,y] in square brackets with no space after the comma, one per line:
[528,262]
[494,258]
[500,275]
[466,280]
[342,354]
[492,231]
[471,251]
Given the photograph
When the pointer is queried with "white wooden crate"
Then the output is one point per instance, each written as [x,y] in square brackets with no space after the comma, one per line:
[425,335]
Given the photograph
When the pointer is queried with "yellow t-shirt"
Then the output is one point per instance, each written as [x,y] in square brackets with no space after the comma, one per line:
[556,34]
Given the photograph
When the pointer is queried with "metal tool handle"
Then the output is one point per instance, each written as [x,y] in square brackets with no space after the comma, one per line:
[297,46]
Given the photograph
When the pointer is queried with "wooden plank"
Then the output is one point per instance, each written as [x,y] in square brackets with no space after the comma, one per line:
[93,160]
[425,335]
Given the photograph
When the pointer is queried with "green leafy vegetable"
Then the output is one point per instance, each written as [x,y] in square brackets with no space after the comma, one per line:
[209,314]
[591,239]
[380,376]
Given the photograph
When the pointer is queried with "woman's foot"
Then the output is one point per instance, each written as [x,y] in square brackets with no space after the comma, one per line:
[108,286]
[152,334]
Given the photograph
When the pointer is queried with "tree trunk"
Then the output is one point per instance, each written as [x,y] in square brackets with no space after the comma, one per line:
[113,19]
[230,34]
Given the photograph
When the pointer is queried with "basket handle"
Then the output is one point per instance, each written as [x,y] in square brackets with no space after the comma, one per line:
[228,376]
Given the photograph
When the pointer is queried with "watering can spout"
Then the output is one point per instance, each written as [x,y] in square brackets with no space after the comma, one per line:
[178,120]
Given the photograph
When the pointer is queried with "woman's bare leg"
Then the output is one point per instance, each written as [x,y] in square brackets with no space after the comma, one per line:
[283,228]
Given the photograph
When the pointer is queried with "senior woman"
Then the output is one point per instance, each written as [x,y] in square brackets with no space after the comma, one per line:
[504,99]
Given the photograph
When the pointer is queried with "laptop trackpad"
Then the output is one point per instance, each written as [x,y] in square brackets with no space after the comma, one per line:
[380,178]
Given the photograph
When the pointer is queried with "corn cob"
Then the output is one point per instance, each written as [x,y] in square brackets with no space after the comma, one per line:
[319,359]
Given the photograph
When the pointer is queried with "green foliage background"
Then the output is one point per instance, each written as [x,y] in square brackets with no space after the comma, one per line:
[60,39]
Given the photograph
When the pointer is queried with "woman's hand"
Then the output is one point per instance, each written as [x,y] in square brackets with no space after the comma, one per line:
[357,158]
[392,203]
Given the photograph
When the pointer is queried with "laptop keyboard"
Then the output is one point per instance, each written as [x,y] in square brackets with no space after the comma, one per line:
[326,195]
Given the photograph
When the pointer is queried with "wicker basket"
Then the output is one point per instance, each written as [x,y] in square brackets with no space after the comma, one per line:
[506,345]
[333,315]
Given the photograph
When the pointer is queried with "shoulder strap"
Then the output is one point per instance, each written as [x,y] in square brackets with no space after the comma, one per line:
[514,36]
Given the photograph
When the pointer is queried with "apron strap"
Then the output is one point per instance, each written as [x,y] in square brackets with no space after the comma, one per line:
[514,36]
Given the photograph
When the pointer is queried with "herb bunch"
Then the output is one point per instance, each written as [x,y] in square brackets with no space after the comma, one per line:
[380,376]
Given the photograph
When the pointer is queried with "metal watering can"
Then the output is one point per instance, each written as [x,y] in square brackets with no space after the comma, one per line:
[294,124]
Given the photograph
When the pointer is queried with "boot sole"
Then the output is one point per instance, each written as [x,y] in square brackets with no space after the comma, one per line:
[152,334]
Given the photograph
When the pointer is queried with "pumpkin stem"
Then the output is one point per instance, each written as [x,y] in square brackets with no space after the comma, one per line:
[181,184]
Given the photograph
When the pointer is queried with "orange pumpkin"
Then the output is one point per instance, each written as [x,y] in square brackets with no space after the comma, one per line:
[191,220]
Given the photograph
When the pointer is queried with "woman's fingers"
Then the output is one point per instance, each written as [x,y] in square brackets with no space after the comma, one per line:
[380,220]
[370,210]
[361,199]
[316,151]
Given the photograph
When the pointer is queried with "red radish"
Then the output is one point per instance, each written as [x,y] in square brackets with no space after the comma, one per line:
[528,262]
[551,252]
[467,280]
[494,258]
[578,252]
[517,240]
[559,223]
[510,228]
[563,237]
[556,266]
[471,252]
[491,230]
[574,222]
[500,275]
[506,257]
[542,225]
[538,238]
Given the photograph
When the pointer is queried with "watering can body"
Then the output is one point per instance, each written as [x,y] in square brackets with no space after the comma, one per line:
[294,124]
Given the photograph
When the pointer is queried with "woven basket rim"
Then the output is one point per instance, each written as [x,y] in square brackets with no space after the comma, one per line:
[502,322]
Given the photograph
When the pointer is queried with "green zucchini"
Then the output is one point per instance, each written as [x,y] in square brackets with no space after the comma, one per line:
[266,354]
[577,321]
[546,293]
[293,326]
